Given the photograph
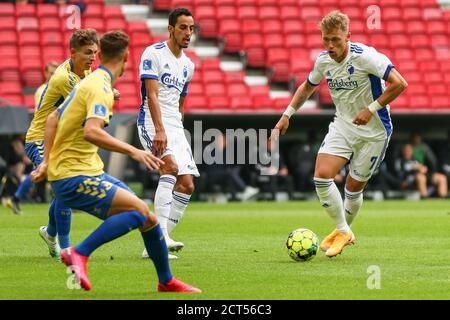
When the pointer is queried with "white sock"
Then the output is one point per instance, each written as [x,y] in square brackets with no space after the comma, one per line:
[179,204]
[352,203]
[331,200]
[163,200]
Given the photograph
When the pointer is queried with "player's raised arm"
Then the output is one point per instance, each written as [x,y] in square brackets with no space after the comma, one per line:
[304,91]
[397,84]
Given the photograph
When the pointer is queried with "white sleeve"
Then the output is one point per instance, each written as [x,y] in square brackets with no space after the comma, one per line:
[149,67]
[316,75]
[377,63]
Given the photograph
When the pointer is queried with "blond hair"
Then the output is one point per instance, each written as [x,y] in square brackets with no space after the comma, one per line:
[335,20]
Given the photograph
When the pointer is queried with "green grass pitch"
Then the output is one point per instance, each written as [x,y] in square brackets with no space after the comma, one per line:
[237,251]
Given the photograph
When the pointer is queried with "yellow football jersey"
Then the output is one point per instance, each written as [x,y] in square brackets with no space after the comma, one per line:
[53,95]
[38,94]
[71,154]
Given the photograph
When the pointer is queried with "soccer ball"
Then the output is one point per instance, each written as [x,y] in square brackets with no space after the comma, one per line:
[302,244]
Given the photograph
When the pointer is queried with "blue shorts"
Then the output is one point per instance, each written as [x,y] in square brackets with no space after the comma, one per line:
[35,152]
[90,194]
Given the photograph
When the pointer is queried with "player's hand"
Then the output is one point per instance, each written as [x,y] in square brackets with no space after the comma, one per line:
[40,173]
[148,159]
[363,117]
[282,125]
[116,94]
[159,143]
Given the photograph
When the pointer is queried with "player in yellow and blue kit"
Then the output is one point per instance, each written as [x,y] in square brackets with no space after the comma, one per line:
[72,137]
[83,48]
[26,184]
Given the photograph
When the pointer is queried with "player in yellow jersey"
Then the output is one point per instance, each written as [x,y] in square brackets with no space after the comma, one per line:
[26,184]
[83,49]
[73,135]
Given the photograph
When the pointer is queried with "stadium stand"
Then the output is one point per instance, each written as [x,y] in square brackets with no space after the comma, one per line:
[267,34]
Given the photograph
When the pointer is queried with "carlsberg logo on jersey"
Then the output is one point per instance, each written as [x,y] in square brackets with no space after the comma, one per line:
[341,84]
[172,82]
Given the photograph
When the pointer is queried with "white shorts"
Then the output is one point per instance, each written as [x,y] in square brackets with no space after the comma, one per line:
[364,155]
[177,146]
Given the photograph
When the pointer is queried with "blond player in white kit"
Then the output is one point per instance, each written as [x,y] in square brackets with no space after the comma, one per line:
[359,135]
[165,73]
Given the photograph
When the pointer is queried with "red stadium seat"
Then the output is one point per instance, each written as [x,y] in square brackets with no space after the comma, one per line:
[137,26]
[419,102]
[437,89]
[215,89]
[49,24]
[28,100]
[415,27]
[52,53]
[436,27]
[403,54]
[251,26]
[241,103]
[113,12]
[273,41]
[310,13]
[401,102]
[391,13]
[439,40]
[262,103]
[272,26]
[162,5]
[360,37]
[399,41]
[440,102]
[295,41]
[29,38]
[412,14]
[226,12]
[266,13]
[289,13]
[195,89]
[94,23]
[237,89]
[27,24]
[47,10]
[293,26]
[218,103]
[211,64]
[13,99]
[26,10]
[397,26]
[7,10]
[116,24]
[51,38]
[8,50]
[10,88]
[234,77]
[213,76]
[195,103]
[94,11]
[247,12]
[8,23]
[260,90]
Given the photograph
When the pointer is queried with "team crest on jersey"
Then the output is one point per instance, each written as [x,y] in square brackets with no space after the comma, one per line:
[350,70]
[166,66]
[185,72]
[147,64]
[100,110]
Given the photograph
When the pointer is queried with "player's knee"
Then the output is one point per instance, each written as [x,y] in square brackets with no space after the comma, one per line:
[169,168]
[150,222]
[186,187]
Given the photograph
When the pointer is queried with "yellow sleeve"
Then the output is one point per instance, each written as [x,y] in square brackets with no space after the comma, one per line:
[99,105]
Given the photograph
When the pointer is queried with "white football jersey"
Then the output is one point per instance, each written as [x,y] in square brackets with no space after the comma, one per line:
[355,83]
[173,75]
